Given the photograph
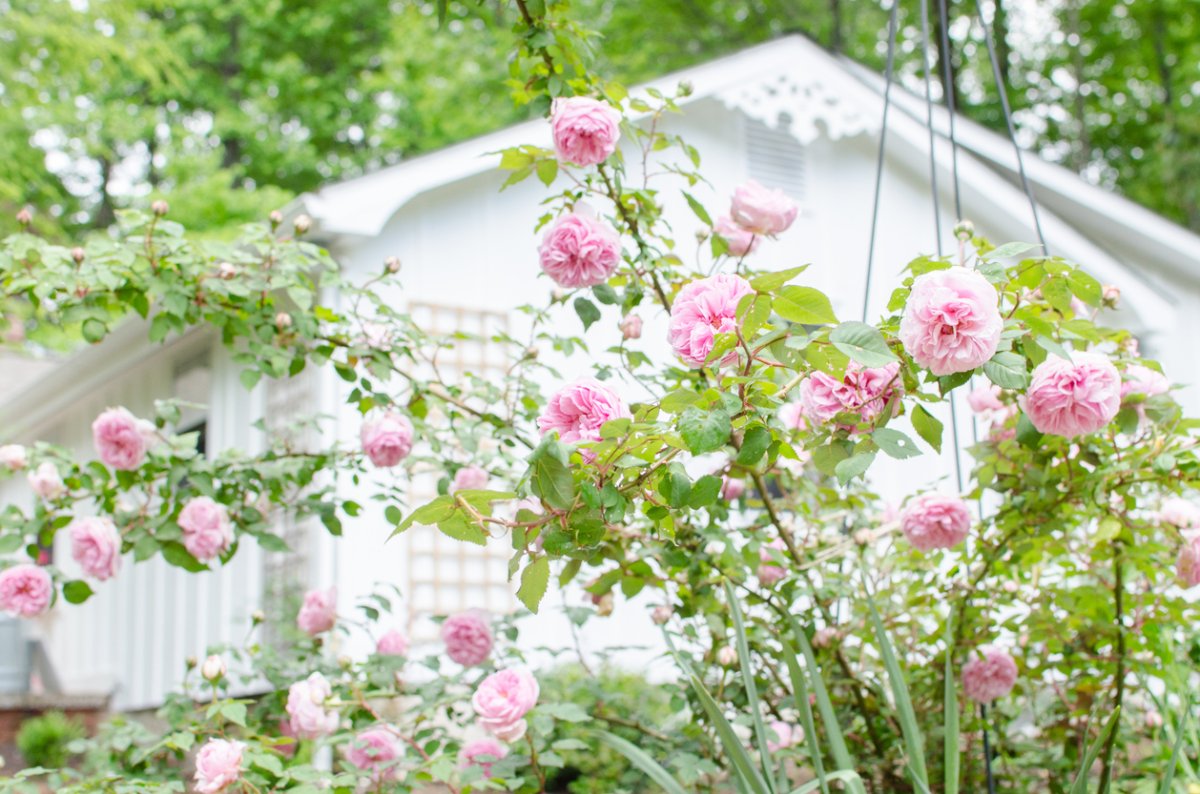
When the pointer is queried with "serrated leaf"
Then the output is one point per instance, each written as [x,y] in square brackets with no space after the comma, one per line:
[754,445]
[769,282]
[547,170]
[1007,370]
[704,431]
[853,466]
[587,311]
[698,209]
[862,343]
[805,305]
[895,443]
[534,580]
[77,591]
[928,427]
[552,479]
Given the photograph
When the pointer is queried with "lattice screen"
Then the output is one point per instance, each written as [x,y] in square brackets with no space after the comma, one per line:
[774,157]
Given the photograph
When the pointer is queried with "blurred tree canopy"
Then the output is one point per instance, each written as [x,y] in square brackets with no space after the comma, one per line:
[230,108]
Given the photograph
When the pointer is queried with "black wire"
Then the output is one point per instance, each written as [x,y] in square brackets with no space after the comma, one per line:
[948,90]
[987,751]
[1002,90]
[887,102]
[933,181]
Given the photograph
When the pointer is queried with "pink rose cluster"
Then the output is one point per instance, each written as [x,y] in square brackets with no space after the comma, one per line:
[376,750]
[12,457]
[580,250]
[46,482]
[732,488]
[392,643]
[986,402]
[25,590]
[503,699]
[307,716]
[1187,565]
[481,753]
[218,765]
[769,570]
[207,530]
[738,241]
[786,735]
[96,546]
[1073,398]
[952,321]
[387,440]
[989,676]
[318,613]
[469,478]
[121,439]
[762,211]
[865,391]
[933,521]
[578,411]
[702,309]
[585,130]
[468,638]
[1179,512]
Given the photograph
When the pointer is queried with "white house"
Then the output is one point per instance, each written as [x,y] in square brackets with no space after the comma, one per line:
[786,113]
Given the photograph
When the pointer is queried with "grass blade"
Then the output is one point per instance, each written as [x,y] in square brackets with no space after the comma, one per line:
[950,709]
[1079,786]
[1169,774]
[743,649]
[729,740]
[640,759]
[913,743]
[842,774]
[800,695]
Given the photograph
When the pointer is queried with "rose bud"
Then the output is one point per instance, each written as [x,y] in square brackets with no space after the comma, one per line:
[213,668]
[160,208]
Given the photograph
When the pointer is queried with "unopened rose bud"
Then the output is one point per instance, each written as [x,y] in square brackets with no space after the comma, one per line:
[1131,346]
[1153,719]
[191,662]
[558,295]
[276,218]
[345,662]
[604,604]
[964,230]
[631,326]
[213,668]
[532,352]
[226,271]
[78,255]
[1111,295]
[392,264]
[160,208]
[25,216]
[727,656]
[257,617]
[686,88]
[283,321]
[302,224]
[863,536]
[702,234]
[661,614]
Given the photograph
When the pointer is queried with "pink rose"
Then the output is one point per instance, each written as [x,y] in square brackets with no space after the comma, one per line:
[1072,398]
[786,735]
[96,546]
[990,676]
[12,457]
[469,478]
[318,613]
[481,753]
[761,211]
[25,590]
[207,531]
[468,638]
[792,416]
[952,321]
[502,700]
[731,488]
[308,717]
[218,765]
[933,521]
[120,439]
[579,410]
[865,391]
[387,440]
[1187,566]
[585,130]
[738,241]
[392,643]
[769,570]
[985,399]
[1179,512]
[702,309]
[1141,380]
[631,327]
[376,750]
[46,482]
[579,250]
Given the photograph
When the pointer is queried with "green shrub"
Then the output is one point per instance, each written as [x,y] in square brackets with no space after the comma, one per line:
[43,740]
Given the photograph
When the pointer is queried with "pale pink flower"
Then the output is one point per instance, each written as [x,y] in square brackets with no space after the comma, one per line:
[1141,380]
[732,488]
[218,765]
[769,570]
[376,750]
[727,656]
[762,211]
[25,590]
[738,241]
[985,399]
[503,699]
[990,676]
[824,637]
[792,416]
[585,130]
[952,321]
[387,439]
[12,457]
[1072,398]
[469,478]
[308,717]
[786,735]
[96,546]
[579,250]
[318,613]
[481,753]
[631,327]
[207,530]
[392,643]
[120,439]
[865,391]
[46,482]
[1187,566]
[661,614]
[578,411]
[1179,512]
[468,638]
[702,309]
[933,521]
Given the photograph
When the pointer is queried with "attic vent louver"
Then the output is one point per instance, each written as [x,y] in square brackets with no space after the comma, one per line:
[774,158]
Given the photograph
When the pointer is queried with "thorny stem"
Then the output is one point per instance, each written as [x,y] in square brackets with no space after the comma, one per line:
[644,253]
[1119,673]
[533,761]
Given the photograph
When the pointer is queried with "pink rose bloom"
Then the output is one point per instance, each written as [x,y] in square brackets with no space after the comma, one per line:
[12,457]
[990,676]
[985,399]
[469,478]
[376,750]
[120,439]
[702,309]
[218,765]
[792,416]
[738,241]
[25,590]
[769,570]
[1144,381]
[318,613]
[392,643]
[866,391]
[631,327]
[585,130]
[387,440]
[308,717]
[1187,566]
[481,753]
[579,250]
[952,321]
[732,488]
[96,546]
[786,735]
[46,483]
[579,410]
[761,211]
[1001,429]
[1179,512]
[502,701]
[207,531]
[1072,398]
[468,638]
[933,521]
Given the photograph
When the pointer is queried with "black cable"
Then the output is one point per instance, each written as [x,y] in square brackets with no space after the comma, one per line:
[987,751]
[948,90]
[887,102]
[933,181]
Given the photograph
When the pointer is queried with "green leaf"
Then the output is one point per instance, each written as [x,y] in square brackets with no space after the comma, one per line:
[754,445]
[895,443]
[175,554]
[1027,435]
[459,527]
[853,466]
[250,378]
[606,294]
[10,543]
[734,750]
[800,699]
[704,431]
[1080,784]
[804,305]
[698,208]
[704,491]
[746,668]
[1010,249]
[863,343]
[768,282]
[534,580]
[587,312]
[1007,370]
[552,479]
[1169,772]
[1086,288]
[235,713]
[928,427]
[913,742]
[640,759]
[547,170]
[950,753]
[77,591]
[94,330]
[439,509]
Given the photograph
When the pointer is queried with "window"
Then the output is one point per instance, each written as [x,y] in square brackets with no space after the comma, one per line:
[193,390]
[774,157]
